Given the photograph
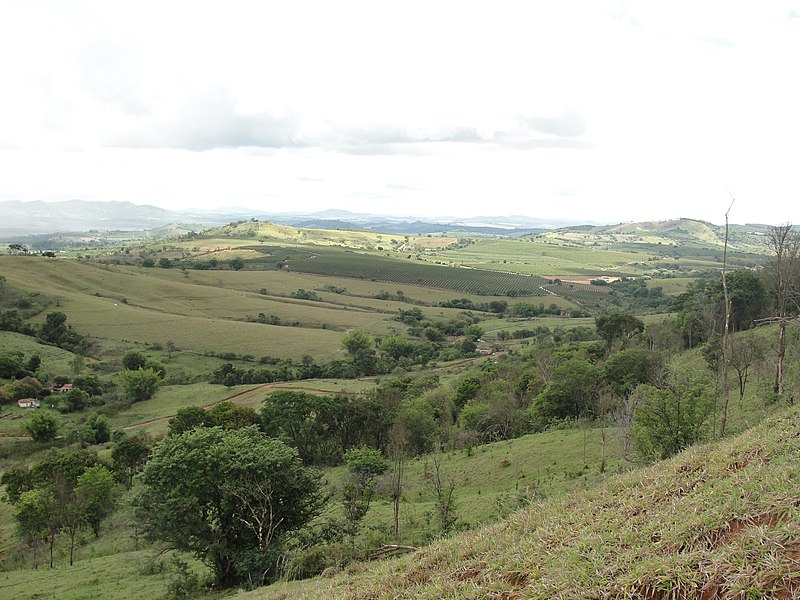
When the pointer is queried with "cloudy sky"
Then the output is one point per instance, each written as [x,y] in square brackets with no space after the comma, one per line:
[605,111]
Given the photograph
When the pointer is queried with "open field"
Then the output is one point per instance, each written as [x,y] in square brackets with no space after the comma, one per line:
[55,361]
[534,257]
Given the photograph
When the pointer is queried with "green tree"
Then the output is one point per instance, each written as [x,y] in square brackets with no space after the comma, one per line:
[237,264]
[364,465]
[361,348]
[748,298]
[140,385]
[133,361]
[669,420]
[72,401]
[571,391]
[614,326]
[626,369]
[55,331]
[189,418]
[129,456]
[42,426]
[96,429]
[302,420]
[96,495]
[36,517]
[228,496]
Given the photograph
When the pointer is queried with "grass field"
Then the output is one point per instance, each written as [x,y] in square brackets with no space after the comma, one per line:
[715,521]
[55,361]
[534,257]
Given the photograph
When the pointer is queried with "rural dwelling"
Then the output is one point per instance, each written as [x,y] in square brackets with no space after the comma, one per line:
[28,403]
[61,389]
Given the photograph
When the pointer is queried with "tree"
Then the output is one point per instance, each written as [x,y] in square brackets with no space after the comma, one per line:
[133,361]
[140,385]
[228,496]
[626,369]
[37,520]
[42,426]
[302,420]
[96,429]
[617,325]
[364,465]
[784,277]
[72,401]
[96,495]
[55,331]
[129,456]
[237,264]
[570,392]
[744,353]
[669,420]
[187,419]
[361,348]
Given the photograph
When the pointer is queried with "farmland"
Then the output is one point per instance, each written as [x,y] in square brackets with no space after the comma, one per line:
[256,308]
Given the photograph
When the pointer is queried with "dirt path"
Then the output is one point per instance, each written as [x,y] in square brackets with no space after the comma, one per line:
[266,386]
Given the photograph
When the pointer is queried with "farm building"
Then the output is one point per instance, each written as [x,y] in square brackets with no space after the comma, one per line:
[28,403]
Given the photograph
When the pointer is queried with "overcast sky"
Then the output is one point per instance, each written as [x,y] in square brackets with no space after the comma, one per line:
[605,111]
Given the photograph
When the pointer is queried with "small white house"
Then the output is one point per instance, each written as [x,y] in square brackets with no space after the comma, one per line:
[28,403]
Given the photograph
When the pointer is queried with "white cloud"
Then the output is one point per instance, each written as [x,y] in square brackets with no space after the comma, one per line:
[635,110]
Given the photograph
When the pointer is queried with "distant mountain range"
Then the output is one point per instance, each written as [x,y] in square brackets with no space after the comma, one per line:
[37,217]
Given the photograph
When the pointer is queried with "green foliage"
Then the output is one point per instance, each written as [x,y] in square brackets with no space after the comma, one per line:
[305,421]
[96,493]
[626,369]
[614,326]
[56,331]
[42,425]
[72,401]
[96,429]
[571,391]
[365,463]
[12,365]
[669,420]
[129,456]
[141,384]
[133,360]
[228,496]
[89,384]
[361,348]
[237,264]
[187,419]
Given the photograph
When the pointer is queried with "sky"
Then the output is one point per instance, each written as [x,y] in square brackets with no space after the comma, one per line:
[597,111]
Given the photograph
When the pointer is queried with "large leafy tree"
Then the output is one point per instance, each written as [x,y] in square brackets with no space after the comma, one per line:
[614,326]
[306,421]
[229,496]
[42,426]
[571,392]
[141,384]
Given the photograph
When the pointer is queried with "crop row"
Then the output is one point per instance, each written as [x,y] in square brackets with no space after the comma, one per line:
[341,263]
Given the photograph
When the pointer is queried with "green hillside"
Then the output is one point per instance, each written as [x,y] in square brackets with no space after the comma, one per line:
[716,521]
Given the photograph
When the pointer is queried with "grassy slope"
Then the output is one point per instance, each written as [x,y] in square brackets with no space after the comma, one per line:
[55,361]
[715,521]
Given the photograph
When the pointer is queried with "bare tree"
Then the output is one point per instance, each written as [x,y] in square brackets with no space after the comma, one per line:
[726,352]
[445,501]
[745,353]
[783,271]
[397,454]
